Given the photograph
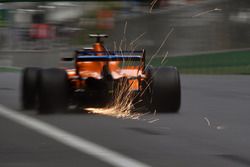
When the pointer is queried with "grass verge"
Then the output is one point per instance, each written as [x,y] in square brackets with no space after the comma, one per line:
[234,62]
[9,69]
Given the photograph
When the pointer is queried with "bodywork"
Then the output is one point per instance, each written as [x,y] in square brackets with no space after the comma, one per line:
[99,67]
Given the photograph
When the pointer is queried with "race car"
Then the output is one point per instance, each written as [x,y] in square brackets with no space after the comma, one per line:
[97,74]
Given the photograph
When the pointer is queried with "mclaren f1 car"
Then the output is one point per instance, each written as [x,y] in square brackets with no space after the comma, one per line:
[96,75]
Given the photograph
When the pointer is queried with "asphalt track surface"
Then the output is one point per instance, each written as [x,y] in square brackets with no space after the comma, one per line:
[212,129]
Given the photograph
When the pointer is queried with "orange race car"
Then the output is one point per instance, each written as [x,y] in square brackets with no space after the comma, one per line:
[98,73]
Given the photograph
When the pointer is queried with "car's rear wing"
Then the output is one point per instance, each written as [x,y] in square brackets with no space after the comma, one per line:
[108,56]
[96,56]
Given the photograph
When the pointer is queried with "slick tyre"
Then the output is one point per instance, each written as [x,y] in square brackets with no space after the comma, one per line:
[166,90]
[29,87]
[53,91]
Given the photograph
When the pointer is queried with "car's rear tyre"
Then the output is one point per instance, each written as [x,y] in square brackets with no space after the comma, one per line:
[29,87]
[166,90]
[53,90]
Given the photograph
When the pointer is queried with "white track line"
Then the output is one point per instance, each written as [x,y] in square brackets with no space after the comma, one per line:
[111,157]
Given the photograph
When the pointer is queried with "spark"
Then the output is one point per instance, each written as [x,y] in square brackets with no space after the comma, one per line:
[138,102]
[154,120]
[124,36]
[220,127]
[120,46]
[122,106]
[136,39]
[154,112]
[207,120]
[148,85]
[166,55]
[152,5]
[152,2]
[138,108]
[162,44]
[114,112]
[206,12]
[145,114]
[125,28]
